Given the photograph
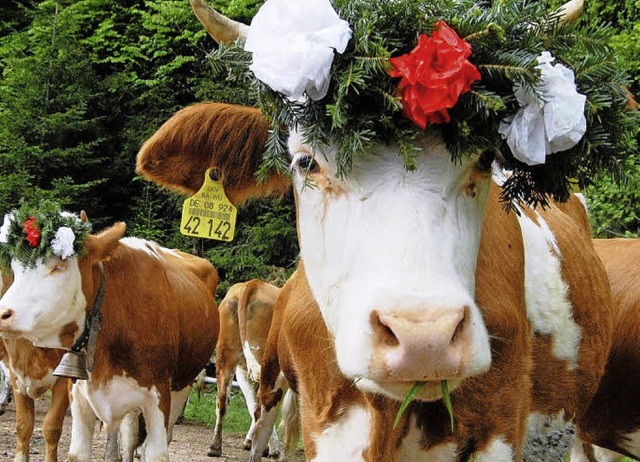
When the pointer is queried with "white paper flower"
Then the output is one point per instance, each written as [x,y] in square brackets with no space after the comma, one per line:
[293,42]
[62,243]
[555,124]
[4,229]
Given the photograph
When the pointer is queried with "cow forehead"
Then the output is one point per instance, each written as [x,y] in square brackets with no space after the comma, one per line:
[382,164]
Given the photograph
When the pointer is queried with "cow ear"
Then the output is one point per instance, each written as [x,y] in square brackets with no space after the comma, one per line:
[100,246]
[211,135]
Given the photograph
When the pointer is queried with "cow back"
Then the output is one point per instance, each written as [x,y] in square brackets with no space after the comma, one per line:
[159,318]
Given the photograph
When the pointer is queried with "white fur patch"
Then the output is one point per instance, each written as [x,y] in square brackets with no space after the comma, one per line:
[345,439]
[498,450]
[113,401]
[253,366]
[547,295]
[148,247]
[32,387]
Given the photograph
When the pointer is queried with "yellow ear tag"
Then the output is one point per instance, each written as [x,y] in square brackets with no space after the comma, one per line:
[208,213]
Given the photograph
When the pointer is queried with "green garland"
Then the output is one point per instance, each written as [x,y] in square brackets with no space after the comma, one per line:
[48,218]
[362,106]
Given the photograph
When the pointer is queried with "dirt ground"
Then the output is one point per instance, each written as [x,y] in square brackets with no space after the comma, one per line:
[190,441]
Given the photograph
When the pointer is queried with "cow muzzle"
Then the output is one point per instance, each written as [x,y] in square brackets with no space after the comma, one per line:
[420,344]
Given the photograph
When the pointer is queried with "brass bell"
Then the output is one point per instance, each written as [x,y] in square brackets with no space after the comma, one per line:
[72,366]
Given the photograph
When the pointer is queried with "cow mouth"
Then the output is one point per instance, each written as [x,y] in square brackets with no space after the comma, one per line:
[398,390]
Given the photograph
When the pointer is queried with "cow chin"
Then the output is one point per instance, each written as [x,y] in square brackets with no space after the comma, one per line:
[430,391]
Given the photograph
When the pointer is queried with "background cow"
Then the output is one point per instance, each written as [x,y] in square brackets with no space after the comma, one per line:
[245,319]
[31,376]
[159,328]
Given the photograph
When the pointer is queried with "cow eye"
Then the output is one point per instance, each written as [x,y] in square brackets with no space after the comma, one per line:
[308,164]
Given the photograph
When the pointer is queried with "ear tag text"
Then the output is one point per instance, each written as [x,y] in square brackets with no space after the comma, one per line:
[208,213]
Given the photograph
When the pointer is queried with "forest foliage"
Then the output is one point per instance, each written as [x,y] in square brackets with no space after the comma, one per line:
[84,82]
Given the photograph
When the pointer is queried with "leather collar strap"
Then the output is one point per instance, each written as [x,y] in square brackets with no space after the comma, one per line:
[92,325]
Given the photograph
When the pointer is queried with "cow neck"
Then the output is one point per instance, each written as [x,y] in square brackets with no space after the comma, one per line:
[92,324]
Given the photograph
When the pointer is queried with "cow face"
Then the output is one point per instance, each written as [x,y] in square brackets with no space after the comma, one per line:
[47,302]
[390,256]
[42,299]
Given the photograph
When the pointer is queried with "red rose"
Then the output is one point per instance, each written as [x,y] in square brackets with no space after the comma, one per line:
[434,75]
[31,228]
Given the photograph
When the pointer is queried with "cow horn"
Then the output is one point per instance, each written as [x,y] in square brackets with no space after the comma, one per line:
[221,28]
[571,10]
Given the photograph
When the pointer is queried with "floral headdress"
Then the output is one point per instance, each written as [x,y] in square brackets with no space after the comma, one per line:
[29,234]
[506,77]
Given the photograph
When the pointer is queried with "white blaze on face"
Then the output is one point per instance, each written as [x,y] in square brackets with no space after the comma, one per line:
[385,240]
[43,300]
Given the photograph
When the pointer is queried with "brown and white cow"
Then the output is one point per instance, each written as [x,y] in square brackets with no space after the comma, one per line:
[417,277]
[31,376]
[159,328]
[245,319]
[613,419]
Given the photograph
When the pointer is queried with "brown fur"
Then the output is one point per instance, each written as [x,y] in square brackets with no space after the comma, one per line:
[245,312]
[615,410]
[231,138]
[576,210]
[169,312]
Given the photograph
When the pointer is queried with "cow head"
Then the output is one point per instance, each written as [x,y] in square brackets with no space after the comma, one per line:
[390,255]
[48,300]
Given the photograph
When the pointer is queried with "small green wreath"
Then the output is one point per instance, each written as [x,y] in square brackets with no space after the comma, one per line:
[37,233]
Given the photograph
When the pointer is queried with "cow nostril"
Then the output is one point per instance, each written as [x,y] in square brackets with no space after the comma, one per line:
[6,315]
[460,327]
[381,332]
